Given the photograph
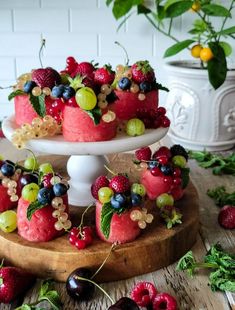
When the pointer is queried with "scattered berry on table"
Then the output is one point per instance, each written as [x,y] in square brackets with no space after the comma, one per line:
[164,301]
[226,217]
[144,293]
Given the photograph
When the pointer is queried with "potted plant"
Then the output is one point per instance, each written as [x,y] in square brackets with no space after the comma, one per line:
[201,101]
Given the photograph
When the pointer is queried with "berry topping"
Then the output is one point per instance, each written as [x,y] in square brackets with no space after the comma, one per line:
[226,217]
[118,201]
[101,181]
[47,77]
[145,87]
[84,69]
[60,189]
[177,149]
[104,75]
[162,152]
[164,301]
[45,195]
[8,169]
[144,153]
[124,83]
[119,184]
[136,199]
[28,86]
[68,93]
[142,72]
[135,127]
[144,293]
[166,169]
[57,91]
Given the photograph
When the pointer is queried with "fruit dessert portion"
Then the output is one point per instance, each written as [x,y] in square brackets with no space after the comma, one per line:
[120,212]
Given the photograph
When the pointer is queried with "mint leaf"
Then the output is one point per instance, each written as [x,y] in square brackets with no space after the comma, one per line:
[106,217]
[53,298]
[95,114]
[185,177]
[38,104]
[33,207]
[160,87]
[178,47]
[15,93]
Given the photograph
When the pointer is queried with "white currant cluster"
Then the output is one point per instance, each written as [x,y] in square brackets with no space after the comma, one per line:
[11,184]
[62,217]
[106,90]
[142,216]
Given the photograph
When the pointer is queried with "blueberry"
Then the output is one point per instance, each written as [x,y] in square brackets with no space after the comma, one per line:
[8,170]
[145,87]
[124,83]
[68,93]
[118,201]
[166,170]
[28,86]
[60,189]
[136,199]
[45,195]
[57,91]
[152,164]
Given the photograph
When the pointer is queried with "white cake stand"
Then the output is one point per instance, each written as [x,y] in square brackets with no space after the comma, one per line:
[87,159]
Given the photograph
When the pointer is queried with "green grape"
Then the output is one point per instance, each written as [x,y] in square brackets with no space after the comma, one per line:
[138,189]
[105,194]
[30,192]
[1,157]
[135,127]
[31,163]
[45,168]
[164,200]
[86,98]
[179,161]
[8,221]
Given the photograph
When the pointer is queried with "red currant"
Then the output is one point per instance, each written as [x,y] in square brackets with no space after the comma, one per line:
[177,181]
[163,160]
[70,60]
[74,231]
[165,122]
[72,102]
[168,180]
[177,172]
[80,244]
[156,171]
[47,180]
[161,111]
[72,239]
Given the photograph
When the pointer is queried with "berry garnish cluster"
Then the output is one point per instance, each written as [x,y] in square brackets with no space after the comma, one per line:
[152,118]
[146,295]
[40,127]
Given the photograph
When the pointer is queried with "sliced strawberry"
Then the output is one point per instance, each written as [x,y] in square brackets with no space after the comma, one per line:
[142,72]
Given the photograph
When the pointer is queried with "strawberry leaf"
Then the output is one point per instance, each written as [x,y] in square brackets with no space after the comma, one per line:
[15,93]
[106,217]
[32,208]
[38,104]
[95,114]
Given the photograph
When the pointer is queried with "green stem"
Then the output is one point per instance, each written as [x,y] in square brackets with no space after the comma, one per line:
[170,25]
[83,214]
[110,171]
[225,19]
[34,158]
[205,265]
[99,287]
[125,51]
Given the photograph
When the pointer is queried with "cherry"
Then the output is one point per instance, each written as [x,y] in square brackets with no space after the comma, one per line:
[80,289]
[27,178]
[124,303]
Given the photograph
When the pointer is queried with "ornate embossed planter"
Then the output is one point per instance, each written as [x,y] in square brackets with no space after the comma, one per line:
[201,117]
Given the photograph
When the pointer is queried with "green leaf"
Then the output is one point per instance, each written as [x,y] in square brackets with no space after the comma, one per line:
[53,298]
[95,114]
[200,156]
[178,8]
[161,87]
[25,307]
[171,2]
[33,207]
[217,66]
[185,177]
[38,104]
[15,93]
[227,31]
[122,7]
[141,9]
[178,47]
[221,197]
[108,2]
[106,217]
[226,47]
[215,10]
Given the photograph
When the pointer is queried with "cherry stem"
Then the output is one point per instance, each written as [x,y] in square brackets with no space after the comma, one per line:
[99,287]
[43,45]
[2,262]
[83,214]
[34,158]
[127,58]
[107,257]
[109,170]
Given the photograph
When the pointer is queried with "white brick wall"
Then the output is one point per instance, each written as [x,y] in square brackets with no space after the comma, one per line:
[83,29]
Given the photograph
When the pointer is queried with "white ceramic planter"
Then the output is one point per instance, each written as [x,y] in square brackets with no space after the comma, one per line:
[201,117]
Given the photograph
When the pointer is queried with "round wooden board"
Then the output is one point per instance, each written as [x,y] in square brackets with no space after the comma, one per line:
[156,247]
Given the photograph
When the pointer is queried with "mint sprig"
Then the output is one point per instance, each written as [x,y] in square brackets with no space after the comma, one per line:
[221,196]
[106,217]
[15,93]
[95,115]
[32,208]
[38,104]
[185,177]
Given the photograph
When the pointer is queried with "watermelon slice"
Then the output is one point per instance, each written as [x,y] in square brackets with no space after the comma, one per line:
[122,228]
[41,226]
[24,112]
[5,202]
[78,126]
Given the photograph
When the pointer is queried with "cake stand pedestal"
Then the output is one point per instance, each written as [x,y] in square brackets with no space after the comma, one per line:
[87,158]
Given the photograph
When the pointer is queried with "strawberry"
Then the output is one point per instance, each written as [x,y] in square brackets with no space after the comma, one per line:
[144,293]
[104,75]
[47,77]
[226,217]
[142,72]
[144,153]
[14,281]
[164,301]
[120,184]
[101,181]
[83,69]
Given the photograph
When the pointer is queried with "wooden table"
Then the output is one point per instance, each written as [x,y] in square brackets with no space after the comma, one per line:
[190,293]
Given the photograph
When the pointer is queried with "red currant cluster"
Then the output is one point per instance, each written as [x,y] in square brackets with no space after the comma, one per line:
[154,119]
[55,109]
[81,237]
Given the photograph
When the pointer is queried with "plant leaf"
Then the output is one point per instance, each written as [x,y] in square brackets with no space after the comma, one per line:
[141,9]
[215,10]
[217,66]
[108,2]
[38,104]
[178,47]
[227,31]
[106,217]
[15,93]
[226,47]
[178,8]
[32,208]
[122,7]
[95,114]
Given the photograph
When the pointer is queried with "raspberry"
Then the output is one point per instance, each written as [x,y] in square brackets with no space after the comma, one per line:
[144,153]
[163,151]
[144,293]
[47,180]
[226,217]
[101,181]
[164,301]
[119,184]
[177,149]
